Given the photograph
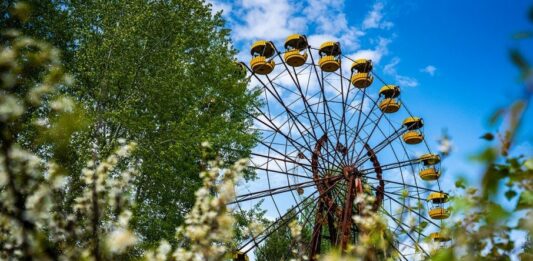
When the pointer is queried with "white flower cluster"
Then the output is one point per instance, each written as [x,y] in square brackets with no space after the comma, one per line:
[23,225]
[37,222]
[298,249]
[445,145]
[209,226]
[374,236]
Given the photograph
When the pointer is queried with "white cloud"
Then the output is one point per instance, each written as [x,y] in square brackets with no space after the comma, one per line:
[374,18]
[329,19]
[401,80]
[373,54]
[430,69]
[406,81]
[219,6]
[266,19]
[276,19]
[390,68]
[316,40]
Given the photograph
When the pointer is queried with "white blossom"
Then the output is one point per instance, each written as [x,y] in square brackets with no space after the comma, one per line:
[120,239]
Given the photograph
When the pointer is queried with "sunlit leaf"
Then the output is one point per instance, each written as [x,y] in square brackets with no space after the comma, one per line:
[460,183]
[423,224]
[525,201]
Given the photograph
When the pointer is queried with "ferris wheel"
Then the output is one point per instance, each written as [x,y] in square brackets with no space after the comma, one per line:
[327,134]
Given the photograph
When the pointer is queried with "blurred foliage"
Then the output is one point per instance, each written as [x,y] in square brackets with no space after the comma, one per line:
[35,222]
[488,219]
[160,73]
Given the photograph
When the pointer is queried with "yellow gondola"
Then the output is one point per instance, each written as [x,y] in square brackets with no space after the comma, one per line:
[429,174]
[390,91]
[362,65]
[361,77]
[439,237]
[389,105]
[430,159]
[439,213]
[295,46]
[413,123]
[329,56]
[239,256]
[362,80]
[438,197]
[413,137]
[261,52]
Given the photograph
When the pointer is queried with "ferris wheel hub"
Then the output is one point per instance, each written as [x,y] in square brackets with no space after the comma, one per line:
[351,171]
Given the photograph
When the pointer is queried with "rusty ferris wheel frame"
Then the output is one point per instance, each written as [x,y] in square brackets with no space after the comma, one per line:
[317,136]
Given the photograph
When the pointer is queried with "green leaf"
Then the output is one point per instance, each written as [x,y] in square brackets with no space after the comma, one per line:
[444,254]
[487,136]
[460,183]
[423,224]
[496,116]
[509,194]
[519,60]
[525,201]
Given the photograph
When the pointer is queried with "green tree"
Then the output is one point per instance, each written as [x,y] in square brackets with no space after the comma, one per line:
[278,245]
[157,72]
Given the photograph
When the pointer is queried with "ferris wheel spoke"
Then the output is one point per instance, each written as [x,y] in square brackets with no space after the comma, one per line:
[396,194]
[272,227]
[340,118]
[296,82]
[396,249]
[326,109]
[282,189]
[399,223]
[343,96]
[289,160]
[276,128]
[375,123]
[380,145]
[403,184]
[285,107]
[270,122]
[286,159]
[412,211]
[309,111]
[307,219]
[273,91]
[289,139]
[359,128]
[283,220]
[391,166]
[286,173]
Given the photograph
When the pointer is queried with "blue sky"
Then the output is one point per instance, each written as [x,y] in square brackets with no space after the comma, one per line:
[451,58]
